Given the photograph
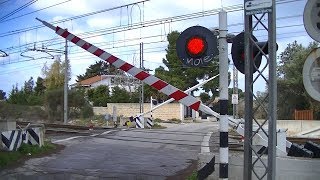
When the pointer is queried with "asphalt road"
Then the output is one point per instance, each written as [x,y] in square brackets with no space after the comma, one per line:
[119,154]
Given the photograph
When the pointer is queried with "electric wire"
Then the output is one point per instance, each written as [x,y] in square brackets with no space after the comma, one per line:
[16,17]
[64,20]
[231,8]
[17,10]
[4,2]
[115,30]
[286,26]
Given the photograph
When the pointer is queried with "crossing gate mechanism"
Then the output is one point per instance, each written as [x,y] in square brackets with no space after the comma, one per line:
[144,76]
[147,78]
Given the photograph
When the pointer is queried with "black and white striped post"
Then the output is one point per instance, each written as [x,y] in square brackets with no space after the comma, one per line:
[223,82]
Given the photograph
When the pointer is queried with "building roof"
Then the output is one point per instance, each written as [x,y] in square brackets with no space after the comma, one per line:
[92,80]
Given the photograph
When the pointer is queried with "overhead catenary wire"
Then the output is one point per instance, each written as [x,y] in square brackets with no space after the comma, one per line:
[121,54]
[232,8]
[17,10]
[283,18]
[32,12]
[154,36]
[4,2]
[118,29]
[67,19]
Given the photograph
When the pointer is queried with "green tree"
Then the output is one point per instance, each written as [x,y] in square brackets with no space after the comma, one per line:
[291,92]
[119,95]
[99,96]
[99,68]
[205,97]
[28,86]
[54,76]
[17,96]
[2,95]
[40,88]
[24,96]
[78,105]
[53,82]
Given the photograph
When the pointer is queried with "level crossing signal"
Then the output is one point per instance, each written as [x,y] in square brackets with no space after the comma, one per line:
[237,52]
[196,46]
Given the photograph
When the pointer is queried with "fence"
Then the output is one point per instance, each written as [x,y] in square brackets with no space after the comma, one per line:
[303,115]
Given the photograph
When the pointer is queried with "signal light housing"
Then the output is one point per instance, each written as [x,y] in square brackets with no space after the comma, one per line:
[196,46]
[237,52]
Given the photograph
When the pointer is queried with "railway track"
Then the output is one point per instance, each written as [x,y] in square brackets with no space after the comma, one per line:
[52,128]
[298,140]
[63,128]
[66,126]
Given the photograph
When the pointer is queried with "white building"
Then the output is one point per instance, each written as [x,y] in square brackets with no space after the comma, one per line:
[129,83]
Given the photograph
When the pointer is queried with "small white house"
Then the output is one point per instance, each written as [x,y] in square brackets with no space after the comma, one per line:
[127,82]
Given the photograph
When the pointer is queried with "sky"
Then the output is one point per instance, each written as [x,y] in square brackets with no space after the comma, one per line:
[119,26]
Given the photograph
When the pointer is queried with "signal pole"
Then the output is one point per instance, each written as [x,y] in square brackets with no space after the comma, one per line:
[142,84]
[65,90]
[235,91]
[223,81]
[258,13]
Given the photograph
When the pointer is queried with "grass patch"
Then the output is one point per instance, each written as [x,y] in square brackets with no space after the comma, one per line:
[193,176]
[174,121]
[158,120]
[158,126]
[26,151]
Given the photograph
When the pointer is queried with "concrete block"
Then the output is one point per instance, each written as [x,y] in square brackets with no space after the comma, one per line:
[206,165]
[7,125]
[315,148]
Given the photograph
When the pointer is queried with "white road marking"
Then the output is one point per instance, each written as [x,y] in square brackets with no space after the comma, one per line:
[107,132]
[67,139]
[205,143]
[75,137]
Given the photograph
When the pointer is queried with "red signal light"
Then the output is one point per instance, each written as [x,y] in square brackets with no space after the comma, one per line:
[196,46]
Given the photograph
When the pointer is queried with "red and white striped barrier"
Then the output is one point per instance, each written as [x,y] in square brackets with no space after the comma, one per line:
[147,78]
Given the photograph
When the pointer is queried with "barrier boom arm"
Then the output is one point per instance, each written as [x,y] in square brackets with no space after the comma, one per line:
[186,91]
[147,78]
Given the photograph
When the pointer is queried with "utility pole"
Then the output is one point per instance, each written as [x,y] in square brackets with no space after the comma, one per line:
[66,79]
[142,84]
[235,91]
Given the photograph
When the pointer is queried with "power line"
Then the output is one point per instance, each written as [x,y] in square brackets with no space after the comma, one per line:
[16,17]
[77,58]
[17,10]
[228,9]
[67,19]
[182,15]
[153,42]
[4,2]
[160,35]
[118,29]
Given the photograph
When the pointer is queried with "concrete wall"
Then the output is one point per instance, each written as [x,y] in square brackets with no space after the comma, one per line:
[168,111]
[297,126]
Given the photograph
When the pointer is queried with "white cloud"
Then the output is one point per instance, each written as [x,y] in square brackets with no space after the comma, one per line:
[100,22]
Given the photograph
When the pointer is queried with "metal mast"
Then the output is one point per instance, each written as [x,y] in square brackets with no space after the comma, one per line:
[269,104]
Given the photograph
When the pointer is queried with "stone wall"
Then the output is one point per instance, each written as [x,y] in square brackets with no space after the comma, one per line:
[165,112]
